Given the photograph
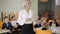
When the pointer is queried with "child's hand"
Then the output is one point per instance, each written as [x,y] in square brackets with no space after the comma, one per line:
[12,29]
[5,29]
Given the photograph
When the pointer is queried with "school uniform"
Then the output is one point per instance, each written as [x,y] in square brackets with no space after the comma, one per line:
[55,23]
[8,26]
[27,26]
[37,25]
[44,28]
[13,23]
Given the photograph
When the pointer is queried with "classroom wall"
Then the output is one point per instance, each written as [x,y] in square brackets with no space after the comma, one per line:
[57,2]
[57,9]
[16,5]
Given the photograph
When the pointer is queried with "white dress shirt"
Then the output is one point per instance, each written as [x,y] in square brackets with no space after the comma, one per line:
[13,23]
[23,17]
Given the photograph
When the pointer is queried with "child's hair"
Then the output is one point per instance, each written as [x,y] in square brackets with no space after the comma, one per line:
[12,17]
[17,23]
[5,17]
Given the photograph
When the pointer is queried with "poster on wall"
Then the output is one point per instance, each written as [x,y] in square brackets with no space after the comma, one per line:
[46,8]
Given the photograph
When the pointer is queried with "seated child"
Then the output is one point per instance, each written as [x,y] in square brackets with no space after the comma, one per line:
[44,26]
[6,25]
[38,24]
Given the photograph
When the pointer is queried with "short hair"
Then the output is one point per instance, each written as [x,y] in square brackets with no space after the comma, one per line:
[17,23]
[5,17]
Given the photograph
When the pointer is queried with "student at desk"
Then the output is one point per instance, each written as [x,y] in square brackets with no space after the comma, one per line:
[38,24]
[6,25]
[54,23]
[44,26]
[13,22]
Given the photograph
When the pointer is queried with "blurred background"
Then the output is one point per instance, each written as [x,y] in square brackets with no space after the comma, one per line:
[49,8]
[47,12]
[10,7]
[39,7]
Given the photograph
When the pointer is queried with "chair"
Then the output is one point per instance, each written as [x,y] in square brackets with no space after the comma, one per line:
[1,25]
[3,15]
[43,31]
[11,14]
[17,15]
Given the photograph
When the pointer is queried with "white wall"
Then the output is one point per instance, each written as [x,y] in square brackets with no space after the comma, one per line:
[57,9]
[16,5]
[57,2]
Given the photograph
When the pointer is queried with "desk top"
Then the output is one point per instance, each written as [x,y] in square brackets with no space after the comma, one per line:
[54,30]
[4,31]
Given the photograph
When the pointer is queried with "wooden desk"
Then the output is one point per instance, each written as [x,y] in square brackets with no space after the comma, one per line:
[37,31]
[1,25]
[4,31]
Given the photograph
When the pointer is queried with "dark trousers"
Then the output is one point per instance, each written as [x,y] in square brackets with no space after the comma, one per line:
[16,32]
[27,29]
